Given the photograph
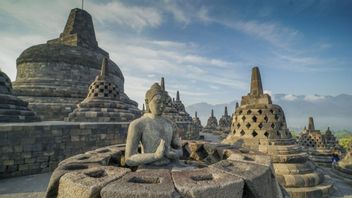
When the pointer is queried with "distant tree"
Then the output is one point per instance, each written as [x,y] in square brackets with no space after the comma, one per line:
[345,141]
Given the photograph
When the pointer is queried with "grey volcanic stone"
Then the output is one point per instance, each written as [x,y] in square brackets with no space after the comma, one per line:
[254,176]
[207,182]
[142,184]
[54,77]
[13,109]
[89,182]
[261,125]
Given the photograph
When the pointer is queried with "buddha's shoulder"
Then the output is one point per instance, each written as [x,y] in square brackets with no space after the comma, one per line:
[140,121]
[169,122]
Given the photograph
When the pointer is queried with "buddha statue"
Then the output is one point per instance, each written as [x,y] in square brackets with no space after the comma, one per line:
[160,144]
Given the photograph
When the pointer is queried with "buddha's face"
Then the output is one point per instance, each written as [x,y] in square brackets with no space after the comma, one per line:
[156,105]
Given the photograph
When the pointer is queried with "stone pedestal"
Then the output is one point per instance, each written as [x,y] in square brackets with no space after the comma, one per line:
[212,170]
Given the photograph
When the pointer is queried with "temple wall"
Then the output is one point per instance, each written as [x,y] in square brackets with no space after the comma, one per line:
[32,148]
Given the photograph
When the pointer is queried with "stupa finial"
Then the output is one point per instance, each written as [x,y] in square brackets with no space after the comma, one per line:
[196,114]
[103,69]
[212,113]
[311,124]
[177,96]
[256,83]
[162,83]
[225,113]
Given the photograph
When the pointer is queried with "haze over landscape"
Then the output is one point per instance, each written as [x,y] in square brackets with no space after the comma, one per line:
[206,49]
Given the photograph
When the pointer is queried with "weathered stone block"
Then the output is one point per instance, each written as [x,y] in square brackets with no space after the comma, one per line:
[207,182]
[146,184]
[88,183]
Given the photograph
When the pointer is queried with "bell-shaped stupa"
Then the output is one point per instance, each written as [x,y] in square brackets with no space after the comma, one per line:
[176,112]
[103,102]
[212,124]
[319,146]
[225,122]
[13,109]
[261,125]
[54,77]
[197,122]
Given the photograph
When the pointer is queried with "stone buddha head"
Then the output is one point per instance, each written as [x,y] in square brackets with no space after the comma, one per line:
[154,100]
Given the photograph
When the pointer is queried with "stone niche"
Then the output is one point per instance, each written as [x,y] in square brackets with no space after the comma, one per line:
[54,77]
[218,171]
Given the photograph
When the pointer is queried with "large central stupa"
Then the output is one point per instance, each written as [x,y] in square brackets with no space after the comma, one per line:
[55,76]
[261,125]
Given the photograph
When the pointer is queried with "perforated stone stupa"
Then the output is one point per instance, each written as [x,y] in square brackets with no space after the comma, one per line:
[53,77]
[212,124]
[176,112]
[319,146]
[103,102]
[13,109]
[225,122]
[261,125]
[197,122]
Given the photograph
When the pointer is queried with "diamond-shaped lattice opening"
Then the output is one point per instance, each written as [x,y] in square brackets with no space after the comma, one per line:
[266,134]
[254,133]
[240,112]
[248,125]
[95,94]
[278,133]
[279,110]
[249,112]
[260,125]
[276,117]
[266,118]
[236,118]
[243,118]
[254,118]
[272,125]
[260,112]
[271,111]
[238,125]
[242,133]
[101,90]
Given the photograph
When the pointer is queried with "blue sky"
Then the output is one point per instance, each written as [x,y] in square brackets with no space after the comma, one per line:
[203,48]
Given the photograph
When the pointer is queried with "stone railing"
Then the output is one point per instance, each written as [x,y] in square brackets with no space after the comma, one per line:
[31,148]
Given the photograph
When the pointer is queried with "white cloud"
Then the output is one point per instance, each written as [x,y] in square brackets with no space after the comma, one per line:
[289,97]
[136,17]
[272,32]
[313,98]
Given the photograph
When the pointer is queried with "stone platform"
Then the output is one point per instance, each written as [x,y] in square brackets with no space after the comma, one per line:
[213,170]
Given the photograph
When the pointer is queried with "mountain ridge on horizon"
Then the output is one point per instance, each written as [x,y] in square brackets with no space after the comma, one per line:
[327,111]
